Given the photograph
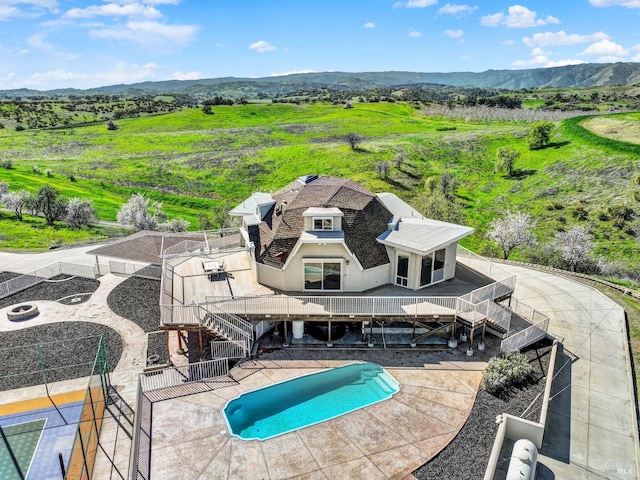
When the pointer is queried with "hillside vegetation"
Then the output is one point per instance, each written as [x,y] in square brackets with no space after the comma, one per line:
[197,163]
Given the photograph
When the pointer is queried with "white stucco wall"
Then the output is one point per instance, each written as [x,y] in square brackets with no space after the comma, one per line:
[353,279]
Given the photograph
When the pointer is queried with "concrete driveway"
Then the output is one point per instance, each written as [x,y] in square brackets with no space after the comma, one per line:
[592,430]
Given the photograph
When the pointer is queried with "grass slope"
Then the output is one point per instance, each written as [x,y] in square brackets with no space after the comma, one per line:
[193,162]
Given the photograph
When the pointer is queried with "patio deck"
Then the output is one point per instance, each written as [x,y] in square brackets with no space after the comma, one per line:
[388,440]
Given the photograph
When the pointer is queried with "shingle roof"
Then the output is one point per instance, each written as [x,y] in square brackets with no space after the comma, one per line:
[143,246]
[364,218]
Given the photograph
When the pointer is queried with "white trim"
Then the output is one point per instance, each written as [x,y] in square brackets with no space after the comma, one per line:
[322,220]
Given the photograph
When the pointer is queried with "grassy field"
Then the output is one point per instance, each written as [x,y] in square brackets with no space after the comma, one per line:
[624,128]
[193,162]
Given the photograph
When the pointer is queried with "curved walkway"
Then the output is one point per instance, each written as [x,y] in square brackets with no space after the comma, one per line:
[591,429]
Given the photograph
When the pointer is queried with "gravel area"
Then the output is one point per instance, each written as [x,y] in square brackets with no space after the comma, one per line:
[467,455]
[61,286]
[65,352]
[137,299]
[4,276]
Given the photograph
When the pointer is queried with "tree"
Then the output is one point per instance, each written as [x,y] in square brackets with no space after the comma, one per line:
[448,185]
[176,225]
[4,188]
[16,202]
[506,158]
[80,213]
[511,231]
[140,213]
[539,134]
[353,140]
[206,109]
[431,184]
[439,207]
[48,202]
[576,245]
[111,125]
[382,168]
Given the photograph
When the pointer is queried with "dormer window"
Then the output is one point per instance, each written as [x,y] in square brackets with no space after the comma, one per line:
[322,223]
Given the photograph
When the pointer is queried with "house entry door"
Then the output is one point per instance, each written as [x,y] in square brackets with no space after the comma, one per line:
[402,271]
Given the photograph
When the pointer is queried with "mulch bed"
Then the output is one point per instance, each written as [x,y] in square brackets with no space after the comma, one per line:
[51,290]
[137,299]
[65,352]
[466,457]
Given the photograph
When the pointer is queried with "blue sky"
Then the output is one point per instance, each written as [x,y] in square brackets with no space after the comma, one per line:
[46,44]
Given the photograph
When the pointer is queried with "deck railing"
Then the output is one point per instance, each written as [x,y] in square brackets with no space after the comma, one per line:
[329,306]
[176,376]
[525,337]
[482,265]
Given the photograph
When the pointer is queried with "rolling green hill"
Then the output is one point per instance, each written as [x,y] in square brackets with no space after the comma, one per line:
[196,163]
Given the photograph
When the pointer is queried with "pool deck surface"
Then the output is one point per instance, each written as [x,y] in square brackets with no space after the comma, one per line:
[388,440]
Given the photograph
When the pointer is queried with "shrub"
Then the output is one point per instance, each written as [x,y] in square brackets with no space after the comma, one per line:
[36,169]
[505,372]
[8,164]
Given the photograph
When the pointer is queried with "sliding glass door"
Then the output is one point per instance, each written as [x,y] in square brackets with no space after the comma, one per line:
[323,276]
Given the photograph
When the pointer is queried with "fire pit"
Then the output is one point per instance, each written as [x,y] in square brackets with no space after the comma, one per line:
[22,312]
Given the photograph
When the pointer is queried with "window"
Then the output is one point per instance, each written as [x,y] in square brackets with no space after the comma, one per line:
[322,223]
[321,275]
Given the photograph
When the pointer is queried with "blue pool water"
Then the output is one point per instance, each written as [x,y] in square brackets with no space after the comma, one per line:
[307,400]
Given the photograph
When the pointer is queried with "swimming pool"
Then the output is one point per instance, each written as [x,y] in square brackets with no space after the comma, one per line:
[307,400]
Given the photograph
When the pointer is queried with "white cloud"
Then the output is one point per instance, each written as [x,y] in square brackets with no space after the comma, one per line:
[457,11]
[618,3]
[415,3]
[465,57]
[369,25]
[562,63]
[38,42]
[455,34]
[68,56]
[636,58]
[605,47]
[549,39]
[8,8]
[113,10]
[415,34]
[509,42]
[291,72]
[178,75]
[261,46]
[157,36]
[518,17]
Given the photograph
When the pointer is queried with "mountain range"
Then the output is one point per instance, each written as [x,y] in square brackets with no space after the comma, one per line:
[583,75]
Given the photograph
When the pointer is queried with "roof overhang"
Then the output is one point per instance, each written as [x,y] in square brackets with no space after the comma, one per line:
[423,236]
[320,238]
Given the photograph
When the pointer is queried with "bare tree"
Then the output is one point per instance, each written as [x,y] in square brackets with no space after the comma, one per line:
[80,213]
[16,202]
[382,168]
[576,245]
[506,158]
[140,213]
[448,185]
[511,231]
[353,140]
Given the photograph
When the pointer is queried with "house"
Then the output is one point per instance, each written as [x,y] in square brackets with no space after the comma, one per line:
[329,234]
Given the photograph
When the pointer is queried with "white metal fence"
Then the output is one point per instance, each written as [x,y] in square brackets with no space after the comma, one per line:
[229,349]
[17,284]
[153,272]
[175,376]
[525,337]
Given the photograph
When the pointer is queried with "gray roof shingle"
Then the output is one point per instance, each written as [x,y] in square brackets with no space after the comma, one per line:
[365,218]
